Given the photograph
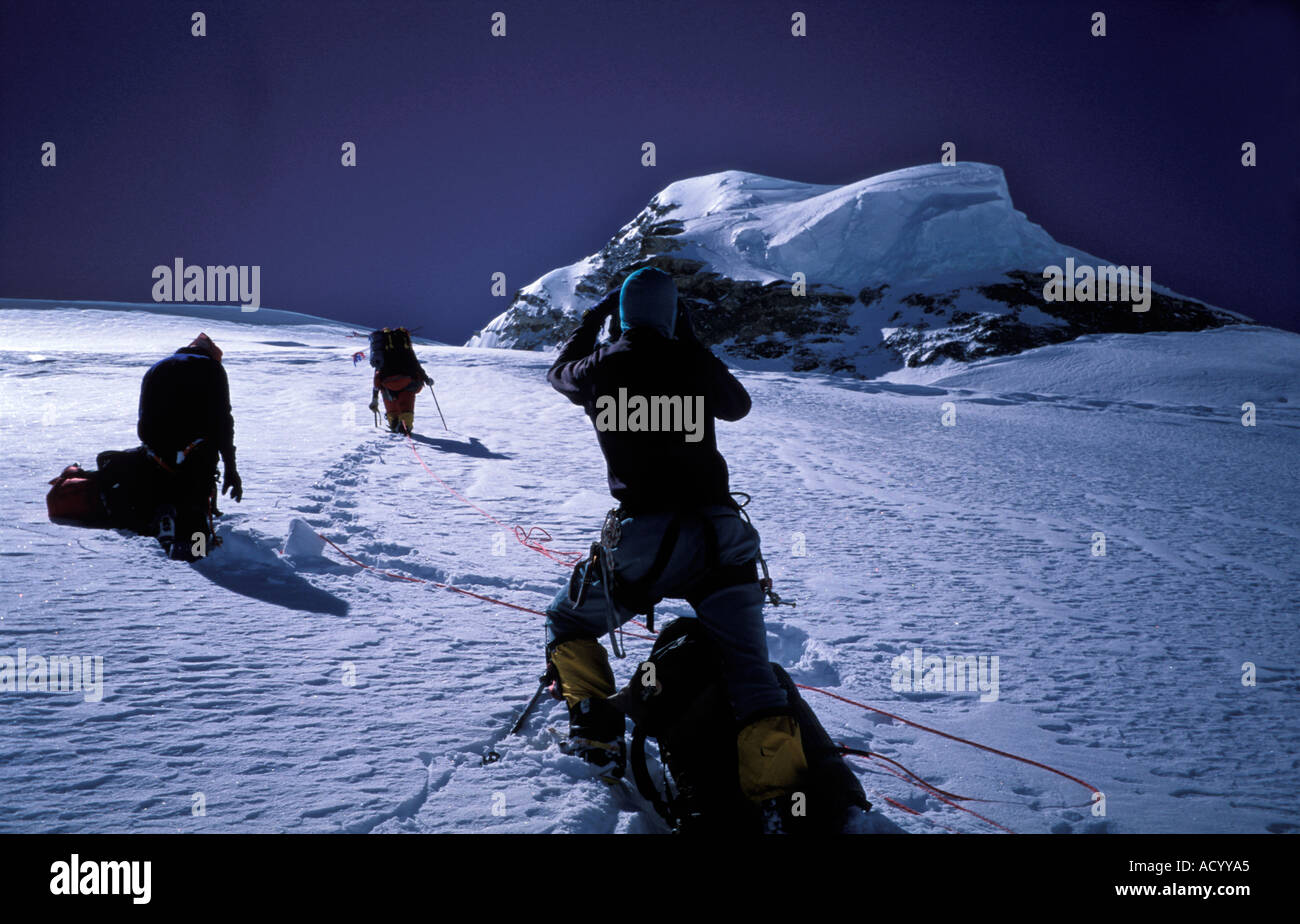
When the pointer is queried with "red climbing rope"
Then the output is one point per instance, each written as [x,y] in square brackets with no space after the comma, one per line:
[945,797]
[915,778]
[459,590]
[942,734]
[524,536]
[414,580]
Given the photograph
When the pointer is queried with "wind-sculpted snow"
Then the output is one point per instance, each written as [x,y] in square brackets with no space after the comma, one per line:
[924,265]
[308,694]
[900,227]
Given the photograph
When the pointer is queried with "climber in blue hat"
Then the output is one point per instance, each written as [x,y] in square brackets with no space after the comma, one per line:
[653,394]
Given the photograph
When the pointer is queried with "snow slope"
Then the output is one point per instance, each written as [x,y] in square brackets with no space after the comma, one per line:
[1161,368]
[228,678]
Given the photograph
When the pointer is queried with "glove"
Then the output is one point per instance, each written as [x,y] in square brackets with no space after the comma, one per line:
[231,483]
[595,316]
[428,381]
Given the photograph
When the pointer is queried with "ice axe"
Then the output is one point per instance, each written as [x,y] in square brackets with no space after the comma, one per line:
[438,406]
[492,756]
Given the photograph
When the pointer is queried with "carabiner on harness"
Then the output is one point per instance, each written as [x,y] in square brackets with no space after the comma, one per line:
[766,582]
[597,566]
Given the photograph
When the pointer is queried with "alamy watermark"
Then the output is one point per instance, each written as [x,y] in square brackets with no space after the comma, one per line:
[56,674]
[657,413]
[208,284]
[76,876]
[955,674]
[1098,284]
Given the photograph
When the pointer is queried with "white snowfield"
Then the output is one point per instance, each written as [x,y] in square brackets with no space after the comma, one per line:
[255,692]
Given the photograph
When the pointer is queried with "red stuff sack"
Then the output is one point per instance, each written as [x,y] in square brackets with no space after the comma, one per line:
[75,499]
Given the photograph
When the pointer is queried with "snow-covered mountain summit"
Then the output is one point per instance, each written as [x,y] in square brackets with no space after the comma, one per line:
[903,269]
[912,224]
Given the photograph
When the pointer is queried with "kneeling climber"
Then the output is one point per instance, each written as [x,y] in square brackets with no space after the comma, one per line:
[653,395]
[185,425]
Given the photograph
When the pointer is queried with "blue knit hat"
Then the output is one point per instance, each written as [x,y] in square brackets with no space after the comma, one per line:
[648,299]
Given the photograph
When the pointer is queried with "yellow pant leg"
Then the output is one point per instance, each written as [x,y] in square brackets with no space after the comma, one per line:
[584,670]
[772,761]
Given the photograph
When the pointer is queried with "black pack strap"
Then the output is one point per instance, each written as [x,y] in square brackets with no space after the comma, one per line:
[720,578]
[641,775]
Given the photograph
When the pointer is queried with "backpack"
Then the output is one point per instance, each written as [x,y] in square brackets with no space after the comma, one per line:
[129,490]
[122,493]
[691,719]
[75,499]
[390,349]
[132,486]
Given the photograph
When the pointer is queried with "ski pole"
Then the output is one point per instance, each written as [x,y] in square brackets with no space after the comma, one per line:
[439,407]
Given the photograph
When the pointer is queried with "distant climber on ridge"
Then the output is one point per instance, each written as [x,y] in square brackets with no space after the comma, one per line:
[676,533]
[399,377]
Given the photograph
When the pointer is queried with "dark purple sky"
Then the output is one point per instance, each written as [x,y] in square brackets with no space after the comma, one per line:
[521,154]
